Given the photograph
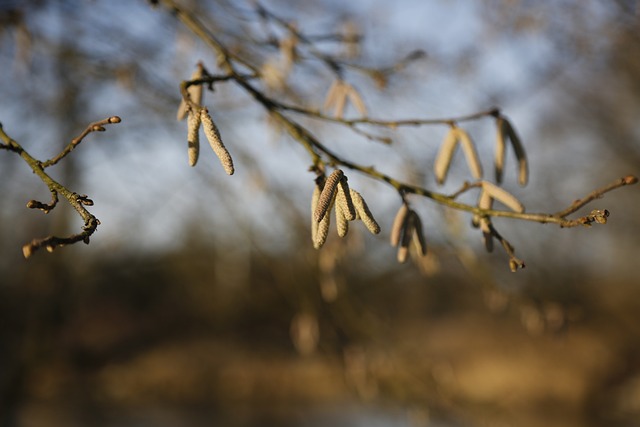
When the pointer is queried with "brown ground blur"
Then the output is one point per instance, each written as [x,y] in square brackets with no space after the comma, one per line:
[160,341]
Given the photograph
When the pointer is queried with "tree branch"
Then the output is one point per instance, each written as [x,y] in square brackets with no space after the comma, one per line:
[93,127]
[79,202]
[321,155]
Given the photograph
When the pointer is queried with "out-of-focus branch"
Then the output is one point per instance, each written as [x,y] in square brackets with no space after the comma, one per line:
[321,156]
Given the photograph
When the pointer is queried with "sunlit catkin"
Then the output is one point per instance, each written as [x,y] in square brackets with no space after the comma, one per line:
[343,200]
[193,137]
[327,196]
[363,212]
[342,223]
[502,196]
[398,224]
[356,100]
[418,238]
[322,232]
[213,135]
[470,153]
[314,204]
[443,159]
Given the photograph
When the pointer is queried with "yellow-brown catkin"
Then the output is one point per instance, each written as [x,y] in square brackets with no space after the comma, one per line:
[314,203]
[343,199]
[327,196]
[193,137]
[322,232]
[342,223]
[398,224]
[213,136]
[363,212]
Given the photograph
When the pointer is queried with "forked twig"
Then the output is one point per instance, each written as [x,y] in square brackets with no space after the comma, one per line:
[79,202]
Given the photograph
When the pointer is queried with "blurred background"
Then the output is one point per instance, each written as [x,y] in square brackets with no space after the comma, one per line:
[200,299]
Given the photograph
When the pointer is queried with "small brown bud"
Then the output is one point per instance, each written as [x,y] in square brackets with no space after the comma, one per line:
[98,128]
[599,215]
[630,179]
[515,264]
[114,119]
[27,250]
[85,200]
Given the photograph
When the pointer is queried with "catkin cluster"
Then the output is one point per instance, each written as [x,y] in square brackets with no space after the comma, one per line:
[407,229]
[505,132]
[349,205]
[339,93]
[198,116]
[489,192]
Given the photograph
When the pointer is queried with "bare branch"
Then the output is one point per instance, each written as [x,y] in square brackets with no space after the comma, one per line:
[79,202]
[93,127]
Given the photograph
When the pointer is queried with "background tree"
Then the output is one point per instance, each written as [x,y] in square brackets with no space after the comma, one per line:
[335,307]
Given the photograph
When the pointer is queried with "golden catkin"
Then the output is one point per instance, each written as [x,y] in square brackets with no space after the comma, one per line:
[339,93]
[343,199]
[327,196]
[342,223]
[419,239]
[398,224]
[213,136]
[470,153]
[443,159]
[484,202]
[332,95]
[314,203]
[363,212]
[356,100]
[193,137]
[403,252]
[27,250]
[502,196]
[322,232]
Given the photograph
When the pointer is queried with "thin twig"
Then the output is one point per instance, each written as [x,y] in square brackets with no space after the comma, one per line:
[93,127]
[596,194]
[77,201]
[514,262]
